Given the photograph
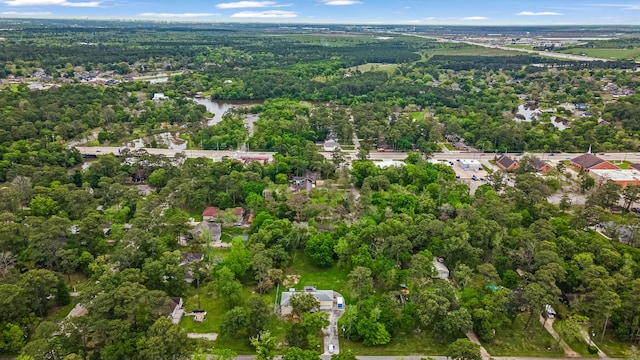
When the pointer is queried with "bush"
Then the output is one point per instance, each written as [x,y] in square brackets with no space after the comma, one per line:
[592,349]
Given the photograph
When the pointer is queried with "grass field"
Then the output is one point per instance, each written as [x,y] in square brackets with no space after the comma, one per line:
[618,54]
[471,51]
[612,347]
[418,115]
[323,279]
[402,343]
[517,341]
[389,68]
[580,345]
[526,47]
[448,146]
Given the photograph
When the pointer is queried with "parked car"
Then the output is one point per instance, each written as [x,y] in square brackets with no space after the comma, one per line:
[331,348]
[474,177]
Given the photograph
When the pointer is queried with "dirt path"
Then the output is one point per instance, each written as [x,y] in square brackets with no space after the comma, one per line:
[208,336]
[586,338]
[474,339]
[548,325]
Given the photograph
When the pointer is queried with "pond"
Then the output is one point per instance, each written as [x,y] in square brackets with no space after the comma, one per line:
[219,107]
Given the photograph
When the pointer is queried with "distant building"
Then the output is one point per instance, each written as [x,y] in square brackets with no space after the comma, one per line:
[441,268]
[506,163]
[588,162]
[306,182]
[621,177]
[175,310]
[331,145]
[541,166]
[210,213]
[470,164]
[389,163]
[582,106]
[460,146]
[159,96]
[635,166]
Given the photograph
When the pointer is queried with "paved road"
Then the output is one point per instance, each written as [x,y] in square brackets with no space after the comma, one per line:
[217,155]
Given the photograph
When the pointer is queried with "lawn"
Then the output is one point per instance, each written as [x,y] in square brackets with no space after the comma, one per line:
[611,346]
[61,312]
[622,164]
[402,343]
[389,68]
[418,115]
[470,50]
[215,313]
[580,345]
[517,341]
[486,168]
[331,278]
[448,146]
[619,54]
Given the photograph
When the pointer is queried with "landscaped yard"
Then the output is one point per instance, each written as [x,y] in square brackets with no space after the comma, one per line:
[517,341]
[448,146]
[402,343]
[331,278]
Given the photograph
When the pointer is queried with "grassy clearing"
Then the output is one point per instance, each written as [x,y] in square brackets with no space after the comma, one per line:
[580,345]
[618,54]
[418,115]
[331,278]
[622,164]
[611,346]
[402,343]
[389,68]
[520,46]
[60,312]
[215,314]
[471,51]
[448,146]
[517,341]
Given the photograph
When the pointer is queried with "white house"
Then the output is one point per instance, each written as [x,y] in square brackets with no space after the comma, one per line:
[159,96]
[441,268]
[331,145]
[176,310]
[325,297]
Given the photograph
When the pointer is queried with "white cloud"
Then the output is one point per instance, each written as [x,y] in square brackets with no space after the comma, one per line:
[624,6]
[25,13]
[265,14]
[180,15]
[245,4]
[539,13]
[341,2]
[475,18]
[52,3]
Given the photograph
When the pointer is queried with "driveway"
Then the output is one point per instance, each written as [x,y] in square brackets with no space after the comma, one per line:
[331,333]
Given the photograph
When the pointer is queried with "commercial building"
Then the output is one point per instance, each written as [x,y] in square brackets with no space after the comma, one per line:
[470,164]
[622,177]
[588,162]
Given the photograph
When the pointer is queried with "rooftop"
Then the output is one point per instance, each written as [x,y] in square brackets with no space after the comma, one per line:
[210,211]
[618,175]
[470,161]
[505,161]
[587,161]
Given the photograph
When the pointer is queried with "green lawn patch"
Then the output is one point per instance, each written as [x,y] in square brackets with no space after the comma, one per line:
[448,146]
[492,162]
[618,54]
[404,342]
[486,168]
[623,165]
[388,68]
[418,115]
[347,147]
[579,345]
[60,312]
[331,278]
[514,340]
[611,346]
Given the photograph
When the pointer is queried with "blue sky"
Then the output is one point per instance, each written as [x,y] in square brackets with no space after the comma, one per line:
[426,12]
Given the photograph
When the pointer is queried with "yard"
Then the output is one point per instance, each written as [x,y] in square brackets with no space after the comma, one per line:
[215,313]
[619,54]
[402,343]
[611,346]
[517,341]
[331,278]
[580,345]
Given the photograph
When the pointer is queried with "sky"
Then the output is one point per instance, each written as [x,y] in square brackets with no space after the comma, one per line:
[408,12]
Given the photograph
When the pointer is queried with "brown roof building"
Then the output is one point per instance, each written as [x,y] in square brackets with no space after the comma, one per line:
[506,163]
[588,162]
[634,166]
[541,166]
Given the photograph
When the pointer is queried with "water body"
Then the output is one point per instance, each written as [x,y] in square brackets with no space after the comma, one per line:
[219,108]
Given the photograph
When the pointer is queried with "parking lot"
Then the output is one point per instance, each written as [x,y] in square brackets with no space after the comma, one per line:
[467,176]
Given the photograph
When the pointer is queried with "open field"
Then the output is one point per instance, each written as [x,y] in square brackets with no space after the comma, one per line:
[405,342]
[331,278]
[471,51]
[514,341]
[618,54]
[389,68]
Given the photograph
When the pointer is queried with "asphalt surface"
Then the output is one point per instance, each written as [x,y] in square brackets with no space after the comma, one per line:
[634,157]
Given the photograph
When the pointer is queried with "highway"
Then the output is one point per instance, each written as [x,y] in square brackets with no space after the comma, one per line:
[215,155]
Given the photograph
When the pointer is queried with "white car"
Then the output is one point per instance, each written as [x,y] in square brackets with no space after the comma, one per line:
[331,348]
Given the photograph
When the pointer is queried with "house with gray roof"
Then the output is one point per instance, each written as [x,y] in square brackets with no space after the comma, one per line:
[325,297]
